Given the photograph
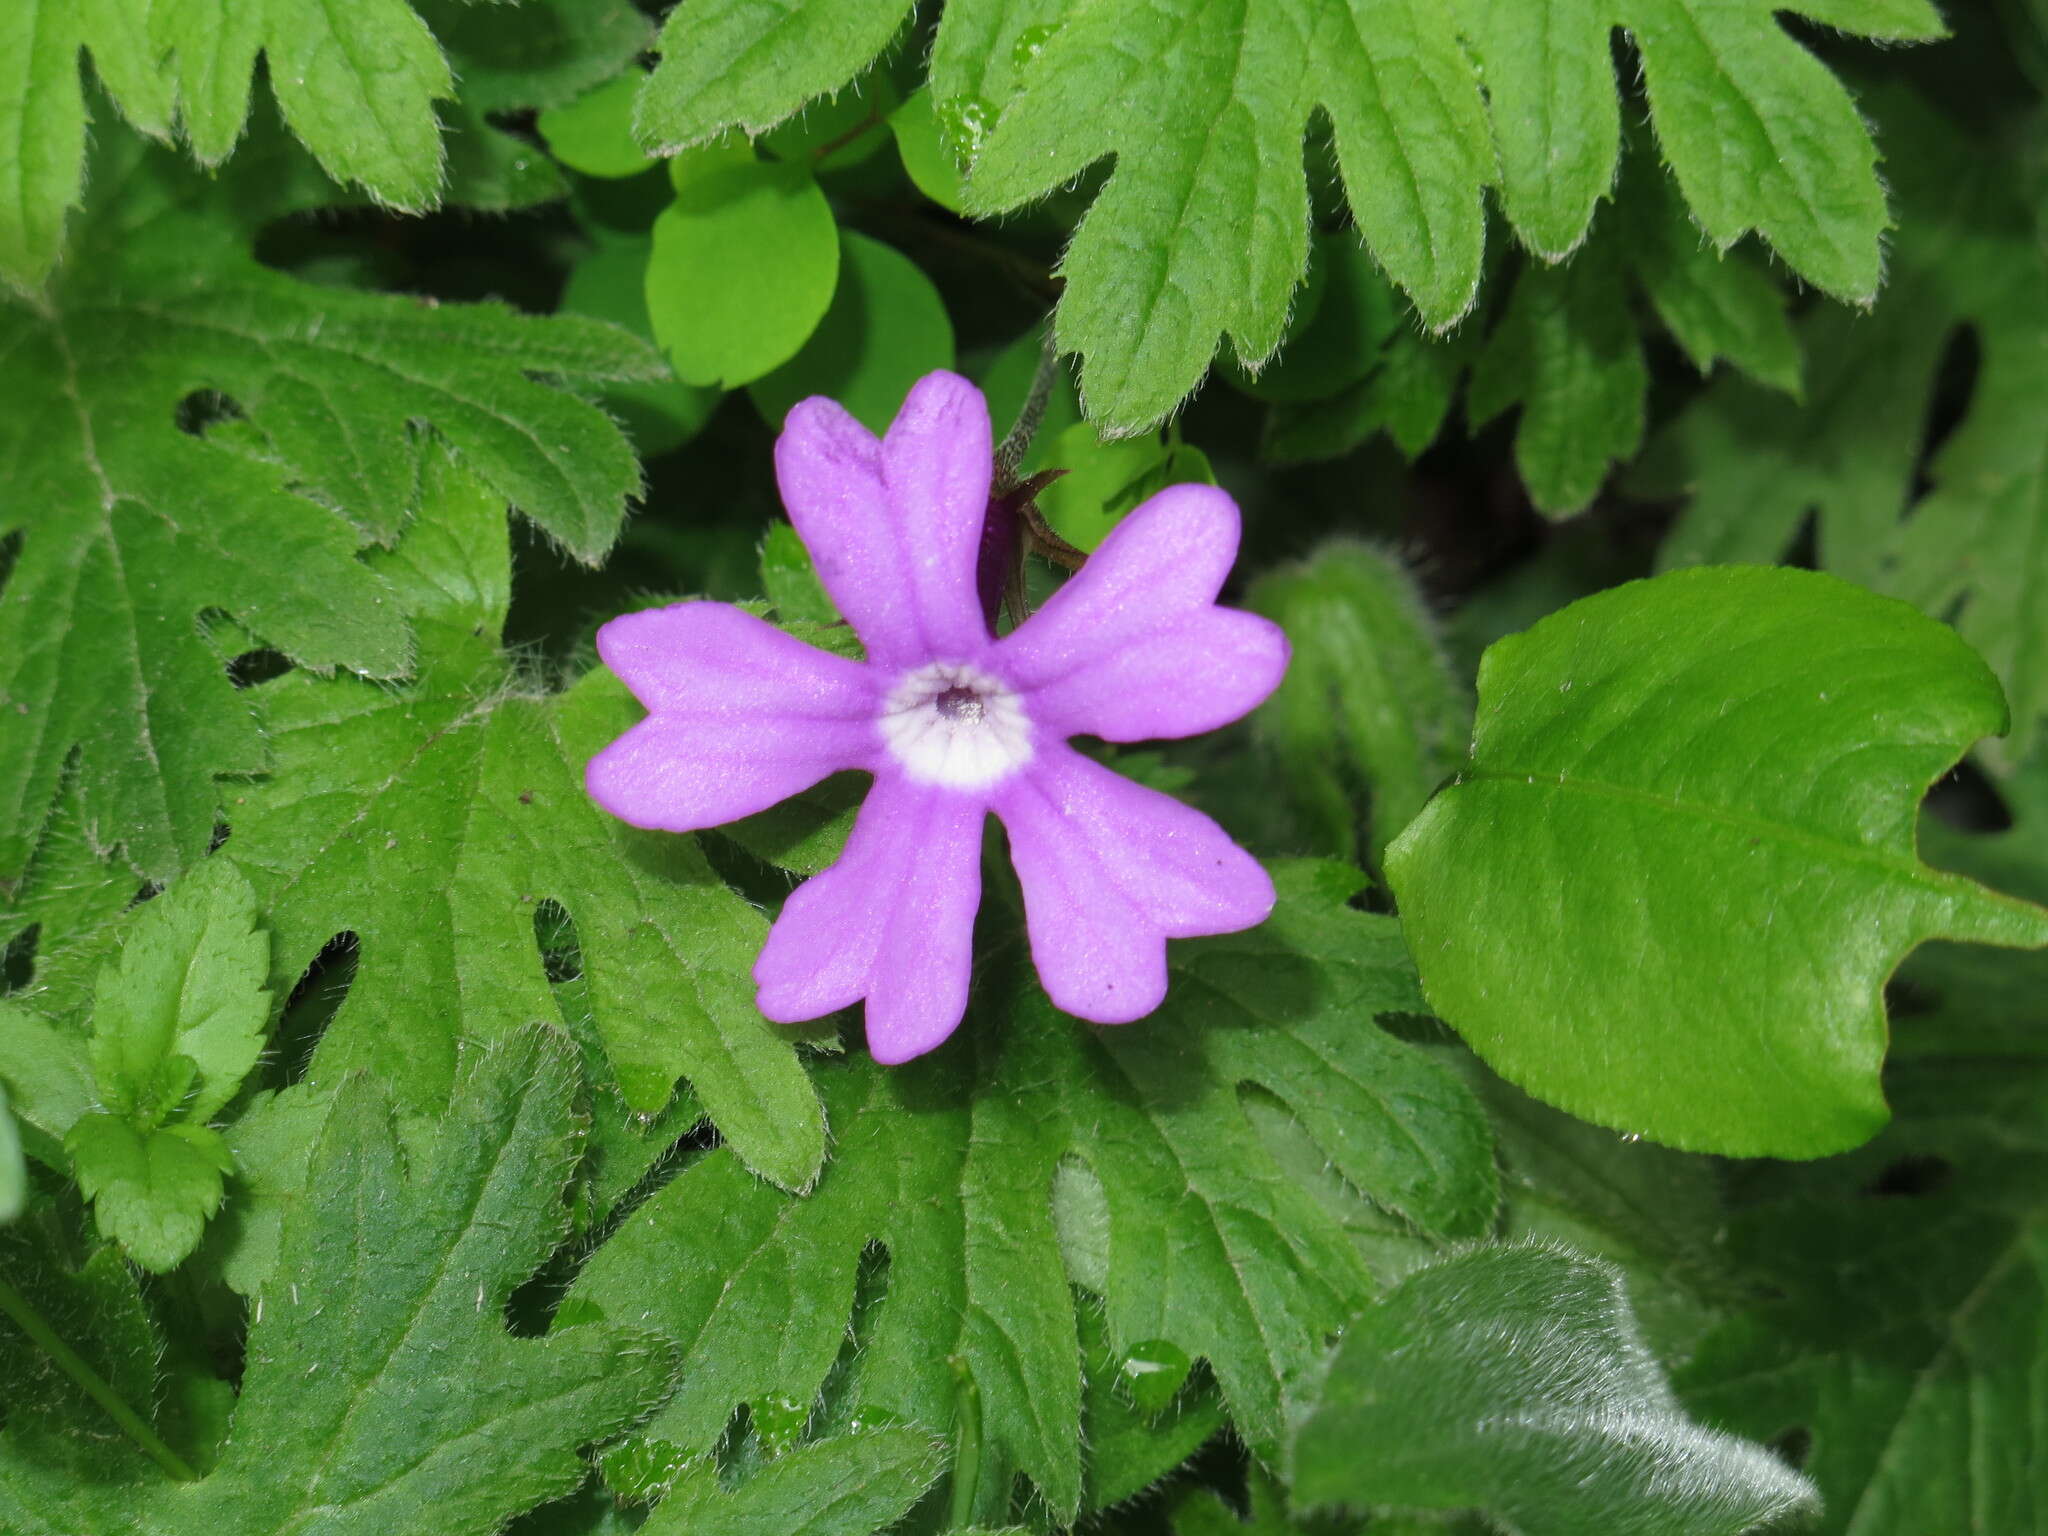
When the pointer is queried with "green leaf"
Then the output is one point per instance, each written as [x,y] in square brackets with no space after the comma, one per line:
[153,1190]
[610,284]
[1130,1447]
[1667,890]
[78,1351]
[1513,1379]
[382,1392]
[1716,303]
[1368,703]
[851,1485]
[13,1168]
[1202,228]
[434,819]
[1756,130]
[744,267]
[790,579]
[1894,1322]
[734,63]
[1407,395]
[927,158]
[360,96]
[1568,352]
[1960,998]
[543,53]
[1967,256]
[133,528]
[189,983]
[950,1164]
[1337,341]
[594,133]
[177,1023]
[886,329]
[1103,480]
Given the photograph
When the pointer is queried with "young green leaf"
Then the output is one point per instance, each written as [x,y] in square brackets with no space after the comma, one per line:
[850,1485]
[432,820]
[382,1391]
[153,1190]
[886,328]
[1513,1380]
[188,983]
[744,266]
[139,516]
[1368,703]
[594,133]
[1667,890]
[177,1023]
[951,1165]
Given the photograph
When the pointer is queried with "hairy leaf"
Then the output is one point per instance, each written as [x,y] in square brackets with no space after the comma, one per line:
[382,1392]
[851,1485]
[433,819]
[1201,228]
[177,1023]
[360,95]
[1895,1328]
[1756,130]
[1513,1380]
[140,513]
[1668,888]
[1967,258]
[1368,704]
[952,1166]
[1567,352]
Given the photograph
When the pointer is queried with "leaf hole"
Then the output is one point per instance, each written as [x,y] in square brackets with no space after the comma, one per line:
[10,551]
[261,665]
[314,1001]
[204,409]
[18,959]
[561,949]
[1966,798]
[1911,1177]
[1948,401]
[1793,1446]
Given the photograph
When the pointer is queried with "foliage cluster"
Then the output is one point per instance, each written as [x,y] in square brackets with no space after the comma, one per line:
[1640,412]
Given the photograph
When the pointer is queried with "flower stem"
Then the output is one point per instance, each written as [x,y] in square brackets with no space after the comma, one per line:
[966,1446]
[1017,441]
[16,1307]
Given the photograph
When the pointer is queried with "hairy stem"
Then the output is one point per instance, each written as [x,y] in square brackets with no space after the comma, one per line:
[16,1308]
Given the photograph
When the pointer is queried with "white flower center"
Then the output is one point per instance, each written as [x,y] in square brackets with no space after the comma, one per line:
[952,724]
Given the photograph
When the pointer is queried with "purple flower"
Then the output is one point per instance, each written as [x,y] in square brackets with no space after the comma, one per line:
[953,724]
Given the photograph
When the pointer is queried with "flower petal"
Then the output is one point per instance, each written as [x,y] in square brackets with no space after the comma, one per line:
[1134,647]
[894,526]
[891,921]
[1111,870]
[742,716]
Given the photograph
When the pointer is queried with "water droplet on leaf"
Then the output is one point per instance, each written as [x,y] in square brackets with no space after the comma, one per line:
[1155,1371]
[963,123]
